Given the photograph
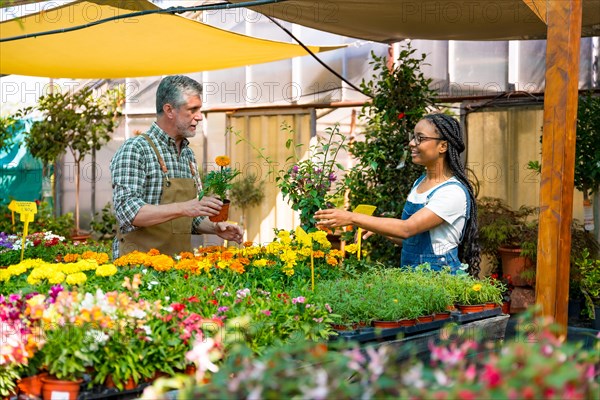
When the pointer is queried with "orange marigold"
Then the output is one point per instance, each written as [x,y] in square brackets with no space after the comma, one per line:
[222,161]
[248,243]
[237,266]
[186,255]
[71,257]
[161,262]
[318,254]
[332,261]
[153,252]
[244,260]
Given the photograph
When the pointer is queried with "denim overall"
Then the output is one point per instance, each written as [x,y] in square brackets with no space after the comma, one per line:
[418,249]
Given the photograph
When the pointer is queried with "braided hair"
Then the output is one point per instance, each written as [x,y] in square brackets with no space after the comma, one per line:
[449,129]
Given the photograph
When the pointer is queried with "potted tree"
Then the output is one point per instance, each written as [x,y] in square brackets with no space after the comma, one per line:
[509,236]
[247,192]
[79,122]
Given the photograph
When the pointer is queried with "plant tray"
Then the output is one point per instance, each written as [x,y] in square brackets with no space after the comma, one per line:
[371,334]
[99,392]
[462,318]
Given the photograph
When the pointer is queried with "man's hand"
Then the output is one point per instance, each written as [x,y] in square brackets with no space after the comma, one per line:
[206,207]
[230,232]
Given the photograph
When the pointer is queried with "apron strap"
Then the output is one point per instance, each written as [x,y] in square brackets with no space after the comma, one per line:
[163,166]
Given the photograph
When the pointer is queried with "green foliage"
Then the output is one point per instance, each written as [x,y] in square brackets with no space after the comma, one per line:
[501,226]
[105,224]
[7,125]
[382,176]
[219,181]
[66,351]
[308,184]
[589,270]
[587,150]
[78,122]
[8,380]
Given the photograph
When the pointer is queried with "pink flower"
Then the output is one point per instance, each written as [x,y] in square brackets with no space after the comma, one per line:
[328,308]
[266,312]
[299,299]
[491,376]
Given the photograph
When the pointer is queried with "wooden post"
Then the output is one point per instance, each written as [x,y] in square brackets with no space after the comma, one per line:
[558,158]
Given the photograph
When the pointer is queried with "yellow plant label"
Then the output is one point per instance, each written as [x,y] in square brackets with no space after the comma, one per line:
[365,209]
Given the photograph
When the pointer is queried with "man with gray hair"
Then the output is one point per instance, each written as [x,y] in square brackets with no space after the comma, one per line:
[156,183]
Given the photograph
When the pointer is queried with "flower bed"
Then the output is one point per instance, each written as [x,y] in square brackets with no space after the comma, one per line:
[139,315]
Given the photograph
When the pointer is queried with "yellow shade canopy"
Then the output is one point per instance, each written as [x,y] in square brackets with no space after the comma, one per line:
[146,45]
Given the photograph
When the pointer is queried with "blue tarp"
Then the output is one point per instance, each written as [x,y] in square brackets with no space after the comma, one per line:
[20,172]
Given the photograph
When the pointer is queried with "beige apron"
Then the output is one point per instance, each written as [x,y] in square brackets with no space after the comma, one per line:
[171,237]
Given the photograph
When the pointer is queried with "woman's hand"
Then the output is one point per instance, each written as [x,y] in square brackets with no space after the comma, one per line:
[333,218]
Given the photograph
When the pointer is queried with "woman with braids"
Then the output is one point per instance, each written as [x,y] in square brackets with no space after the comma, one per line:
[439,220]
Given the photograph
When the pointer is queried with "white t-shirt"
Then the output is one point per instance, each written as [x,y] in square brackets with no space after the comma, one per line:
[450,204]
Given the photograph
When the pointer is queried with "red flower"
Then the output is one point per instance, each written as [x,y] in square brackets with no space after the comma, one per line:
[178,307]
[192,299]
[491,376]
[401,115]
[214,302]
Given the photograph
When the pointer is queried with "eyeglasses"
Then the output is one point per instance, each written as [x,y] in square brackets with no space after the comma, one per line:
[420,138]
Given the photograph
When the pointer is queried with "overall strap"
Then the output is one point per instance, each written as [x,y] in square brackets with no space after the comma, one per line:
[163,166]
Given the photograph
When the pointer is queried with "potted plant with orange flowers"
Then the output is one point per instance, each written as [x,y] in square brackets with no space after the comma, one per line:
[217,182]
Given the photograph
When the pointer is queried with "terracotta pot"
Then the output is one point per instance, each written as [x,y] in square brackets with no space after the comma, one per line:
[424,319]
[109,383]
[441,315]
[130,384]
[386,324]
[190,369]
[506,307]
[470,308]
[31,385]
[408,322]
[223,214]
[489,306]
[514,264]
[53,388]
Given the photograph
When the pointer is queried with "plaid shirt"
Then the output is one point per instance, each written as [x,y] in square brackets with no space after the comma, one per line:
[137,178]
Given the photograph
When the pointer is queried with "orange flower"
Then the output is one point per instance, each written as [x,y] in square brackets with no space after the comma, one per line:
[222,161]
[237,267]
[71,257]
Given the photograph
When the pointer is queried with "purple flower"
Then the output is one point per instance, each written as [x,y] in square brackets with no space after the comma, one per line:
[295,169]
[223,309]
[332,177]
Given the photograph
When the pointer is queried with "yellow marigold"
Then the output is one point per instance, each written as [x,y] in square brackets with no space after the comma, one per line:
[222,264]
[56,278]
[351,248]
[222,161]
[288,271]
[106,270]
[260,263]
[71,257]
[336,253]
[476,287]
[76,278]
